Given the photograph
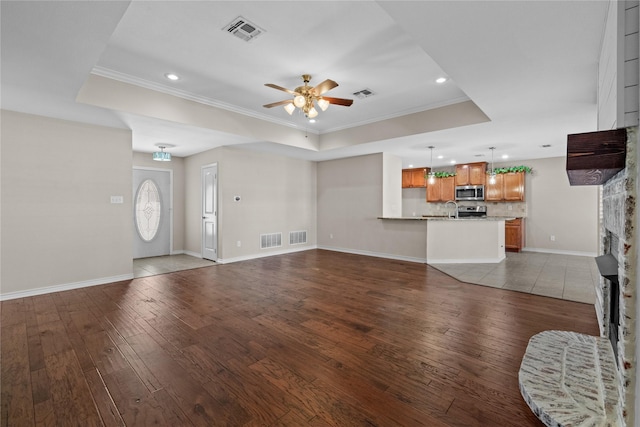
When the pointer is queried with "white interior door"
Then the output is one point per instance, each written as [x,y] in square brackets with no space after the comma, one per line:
[151,213]
[210,212]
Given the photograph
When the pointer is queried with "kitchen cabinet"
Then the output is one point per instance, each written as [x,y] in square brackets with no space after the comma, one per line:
[494,192]
[442,190]
[514,186]
[514,235]
[471,174]
[508,187]
[414,178]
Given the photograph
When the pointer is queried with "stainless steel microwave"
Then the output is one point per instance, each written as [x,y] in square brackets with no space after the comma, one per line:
[470,192]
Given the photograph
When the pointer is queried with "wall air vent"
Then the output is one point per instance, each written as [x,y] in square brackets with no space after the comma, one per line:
[297,237]
[243,29]
[272,240]
[364,93]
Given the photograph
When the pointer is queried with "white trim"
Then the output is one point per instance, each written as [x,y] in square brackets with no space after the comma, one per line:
[65,287]
[467,261]
[559,252]
[264,255]
[126,78]
[374,254]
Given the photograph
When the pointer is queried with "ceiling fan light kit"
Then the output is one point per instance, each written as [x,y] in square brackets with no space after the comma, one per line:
[306,97]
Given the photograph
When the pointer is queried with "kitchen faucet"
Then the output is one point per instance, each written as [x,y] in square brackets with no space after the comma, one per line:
[455,207]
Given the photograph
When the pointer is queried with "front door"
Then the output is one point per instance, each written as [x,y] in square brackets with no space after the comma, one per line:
[210,212]
[151,212]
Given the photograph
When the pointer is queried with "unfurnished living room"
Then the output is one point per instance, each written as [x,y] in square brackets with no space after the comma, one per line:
[319,213]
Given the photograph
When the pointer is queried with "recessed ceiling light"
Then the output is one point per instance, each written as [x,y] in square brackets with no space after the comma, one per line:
[172,77]
[410,166]
[441,80]
[505,156]
[453,162]
[441,156]
[312,120]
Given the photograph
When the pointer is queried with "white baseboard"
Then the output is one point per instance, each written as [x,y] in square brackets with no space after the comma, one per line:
[559,252]
[374,254]
[178,252]
[263,255]
[194,254]
[467,261]
[64,287]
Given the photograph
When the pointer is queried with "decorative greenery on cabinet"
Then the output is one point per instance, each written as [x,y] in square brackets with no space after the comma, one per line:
[512,169]
[442,174]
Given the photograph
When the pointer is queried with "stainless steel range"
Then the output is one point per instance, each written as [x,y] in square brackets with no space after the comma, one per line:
[472,211]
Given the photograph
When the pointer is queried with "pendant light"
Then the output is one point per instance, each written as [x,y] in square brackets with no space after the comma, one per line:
[161,156]
[432,174]
[492,173]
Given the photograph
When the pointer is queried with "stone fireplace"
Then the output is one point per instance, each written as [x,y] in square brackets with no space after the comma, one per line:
[618,240]
[568,378]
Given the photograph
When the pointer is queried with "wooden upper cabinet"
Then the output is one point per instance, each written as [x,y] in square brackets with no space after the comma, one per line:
[514,186]
[414,178]
[434,190]
[494,192]
[406,178]
[448,188]
[508,187]
[471,174]
[442,190]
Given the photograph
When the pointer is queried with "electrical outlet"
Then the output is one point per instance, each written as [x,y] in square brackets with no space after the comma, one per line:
[552,238]
[238,243]
[331,236]
[509,207]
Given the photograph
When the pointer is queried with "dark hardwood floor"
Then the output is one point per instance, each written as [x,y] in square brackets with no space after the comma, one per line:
[314,338]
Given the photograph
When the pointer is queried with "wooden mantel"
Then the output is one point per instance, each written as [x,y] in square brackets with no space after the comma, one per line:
[594,157]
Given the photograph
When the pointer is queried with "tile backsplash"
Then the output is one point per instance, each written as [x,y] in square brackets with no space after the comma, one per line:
[414,204]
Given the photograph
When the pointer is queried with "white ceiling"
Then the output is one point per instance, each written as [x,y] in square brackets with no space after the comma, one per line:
[530,66]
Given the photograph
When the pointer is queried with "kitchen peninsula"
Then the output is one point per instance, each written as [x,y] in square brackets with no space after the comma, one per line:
[462,240]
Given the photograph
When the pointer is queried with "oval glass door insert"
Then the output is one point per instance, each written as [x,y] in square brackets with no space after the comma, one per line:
[147,210]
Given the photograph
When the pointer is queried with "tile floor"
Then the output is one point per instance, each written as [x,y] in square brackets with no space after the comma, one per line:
[567,277]
[143,267]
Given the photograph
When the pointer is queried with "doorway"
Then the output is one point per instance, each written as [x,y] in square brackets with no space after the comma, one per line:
[210,212]
[152,212]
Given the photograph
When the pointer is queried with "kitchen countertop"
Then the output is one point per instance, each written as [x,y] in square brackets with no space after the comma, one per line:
[446,218]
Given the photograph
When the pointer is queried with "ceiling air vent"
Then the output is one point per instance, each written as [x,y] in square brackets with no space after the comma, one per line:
[243,29]
[364,93]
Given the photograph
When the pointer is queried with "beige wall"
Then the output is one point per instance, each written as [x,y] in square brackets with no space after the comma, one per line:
[570,213]
[350,200]
[58,225]
[278,194]
[176,165]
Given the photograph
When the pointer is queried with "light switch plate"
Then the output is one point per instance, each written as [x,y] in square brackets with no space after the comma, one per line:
[117,199]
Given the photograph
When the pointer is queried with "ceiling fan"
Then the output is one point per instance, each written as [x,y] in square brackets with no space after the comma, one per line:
[305,96]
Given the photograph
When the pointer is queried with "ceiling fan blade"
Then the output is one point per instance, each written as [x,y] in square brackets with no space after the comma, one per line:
[275,104]
[325,86]
[284,89]
[339,101]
